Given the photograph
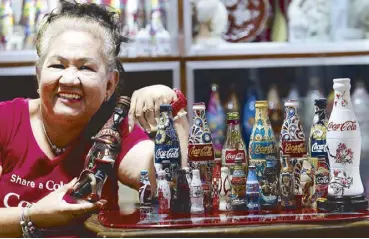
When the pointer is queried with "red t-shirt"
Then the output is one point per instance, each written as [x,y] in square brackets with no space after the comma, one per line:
[28,174]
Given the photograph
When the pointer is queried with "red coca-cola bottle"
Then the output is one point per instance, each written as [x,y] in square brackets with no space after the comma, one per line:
[201,151]
[234,145]
[217,180]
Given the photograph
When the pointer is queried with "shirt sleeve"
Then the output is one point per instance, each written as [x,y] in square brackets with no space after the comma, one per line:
[130,139]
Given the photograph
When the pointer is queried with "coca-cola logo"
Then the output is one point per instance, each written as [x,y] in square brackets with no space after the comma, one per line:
[206,151]
[167,154]
[322,179]
[259,149]
[346,126]
[295,148]
[232,155]
[318,147]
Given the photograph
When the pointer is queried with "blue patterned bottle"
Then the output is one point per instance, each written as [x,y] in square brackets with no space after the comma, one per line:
[263,147]
[167,148]
[252,190]
[269,186]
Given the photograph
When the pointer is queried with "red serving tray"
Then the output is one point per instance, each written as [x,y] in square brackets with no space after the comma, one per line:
[132,221]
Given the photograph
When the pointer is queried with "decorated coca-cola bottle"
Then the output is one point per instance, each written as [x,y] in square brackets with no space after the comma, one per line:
[145,197]
[252,190]
[216,183]
[234,145]
[262,147]
[344,148]
[292,138]
[225,191]
[238,195]
[167,147]
[286,184]
[188,175]
[197,194]
[321,178]
[216,120]
[318,132]
[164,195]
[269,186]
[200,150]
[182,203]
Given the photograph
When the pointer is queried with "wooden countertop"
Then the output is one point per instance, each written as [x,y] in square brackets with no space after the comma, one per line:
[348,228]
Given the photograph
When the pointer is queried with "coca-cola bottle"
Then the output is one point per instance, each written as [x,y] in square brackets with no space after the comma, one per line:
[238,195]
[164,194]
[234,145]
[321,178]
[216,120]
[269,186]
[145,197]
[216,182]
[275,109]
[182,203]
[318,132]
[286,184]
[232,104]
[200,150]
[197,195]
[292,138]
[262,147]
[344,149]
[225,191]
[188,175]
[167,147]
[252,190]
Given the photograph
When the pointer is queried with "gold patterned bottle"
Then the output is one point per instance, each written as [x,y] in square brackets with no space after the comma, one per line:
[263,147]
[234,145]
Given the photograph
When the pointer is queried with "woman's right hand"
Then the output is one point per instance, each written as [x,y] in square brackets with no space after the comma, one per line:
[53,211]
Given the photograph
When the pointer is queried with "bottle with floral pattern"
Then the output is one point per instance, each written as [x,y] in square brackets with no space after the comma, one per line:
[344,144]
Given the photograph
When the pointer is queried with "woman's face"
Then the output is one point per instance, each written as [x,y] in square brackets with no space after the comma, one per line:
[73,79]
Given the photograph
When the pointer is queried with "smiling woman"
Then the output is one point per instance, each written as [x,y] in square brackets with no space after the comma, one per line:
[44,142]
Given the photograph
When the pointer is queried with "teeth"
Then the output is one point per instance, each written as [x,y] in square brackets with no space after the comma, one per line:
[70,96]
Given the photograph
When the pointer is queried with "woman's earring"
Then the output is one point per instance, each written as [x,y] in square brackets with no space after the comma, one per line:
[107,98]
[38,91]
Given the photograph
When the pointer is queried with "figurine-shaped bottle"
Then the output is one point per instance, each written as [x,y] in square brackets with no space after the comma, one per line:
[216,120]
[238,195]
[262,145]
[197,196]
[286,185]
[344,144]
[164,195]
[225,191]
[252,190]
[200,150]
[292,138]
[167,147]
[318,133]
[234,145]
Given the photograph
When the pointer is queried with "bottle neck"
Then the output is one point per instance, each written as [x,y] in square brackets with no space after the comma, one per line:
[261,113]
[291,112]
[342,97]
[233,134]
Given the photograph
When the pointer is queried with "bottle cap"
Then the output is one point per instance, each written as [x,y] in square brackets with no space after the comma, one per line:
[217,160]
[261,104]
[165,107]
[321,103]
[252,167]
[187,169]
[144,172]
[199,106]
[161,173]
[224,170]
[342,80]
[293,103]
[233,116]
[214,87]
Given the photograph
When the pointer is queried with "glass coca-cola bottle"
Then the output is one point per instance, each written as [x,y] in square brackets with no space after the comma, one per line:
[216,183]
[145,197]
[234,145]
[167,147]
[164,194]
[197,196]
[286,184]
[182,203]
[238,195]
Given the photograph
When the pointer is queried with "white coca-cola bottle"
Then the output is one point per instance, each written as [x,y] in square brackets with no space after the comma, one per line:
[343,144]
[164,195]
[196,192]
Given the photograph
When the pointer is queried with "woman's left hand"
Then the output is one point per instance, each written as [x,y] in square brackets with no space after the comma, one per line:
[145,105]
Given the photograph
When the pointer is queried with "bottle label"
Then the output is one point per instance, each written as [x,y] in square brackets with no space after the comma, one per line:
[322,179]
[345,126]
[260,150]
[318,148]
[238,187]
[167,152]
[231,155]
[294,148]
[200,152]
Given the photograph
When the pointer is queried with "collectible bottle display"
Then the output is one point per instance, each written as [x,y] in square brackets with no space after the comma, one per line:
[234,145]
[344,149]
[292,138]
[286,184]
[216,120]
[252,190]
[164,194]
[200,150]
[318,132]
[197,195]
[238,195]
[225,191]
[167,148]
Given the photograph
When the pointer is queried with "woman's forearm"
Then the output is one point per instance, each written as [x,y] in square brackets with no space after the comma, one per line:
[182,127]
[10,222]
